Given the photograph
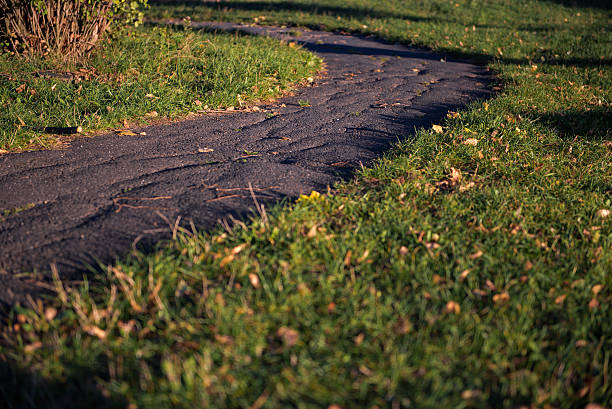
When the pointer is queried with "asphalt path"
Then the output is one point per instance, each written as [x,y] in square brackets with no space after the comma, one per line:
[102,196]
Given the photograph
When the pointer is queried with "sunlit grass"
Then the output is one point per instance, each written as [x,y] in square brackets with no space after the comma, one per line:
[136,76]
[467,268]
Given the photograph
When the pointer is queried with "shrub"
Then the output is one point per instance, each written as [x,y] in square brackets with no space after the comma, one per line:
[66,28]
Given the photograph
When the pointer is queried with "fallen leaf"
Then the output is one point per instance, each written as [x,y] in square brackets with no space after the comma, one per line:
[490,285]
[581,343]
[95,331]
[197,102]
[479,293]
[152,114]
[254,280]
[32,347]
[50,313]
[2,151]
[471,141]
[205,150]
[464,275]
[226,260]
[125,132]
[347,258]
[455,175]
[501,298]
[403,250]
[452,307]
[289,336]
[476,255]
[597,288]
[150,96]
[312,232]
[238,248]
[224,339]
[470,394]
[437,129]
[593,304]
[560,299]
[359,339]
[20,88]
[603,213]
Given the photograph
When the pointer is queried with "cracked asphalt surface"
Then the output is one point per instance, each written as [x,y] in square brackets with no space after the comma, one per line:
[101,196]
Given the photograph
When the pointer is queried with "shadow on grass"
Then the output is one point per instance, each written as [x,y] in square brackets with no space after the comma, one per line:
[22,389]
[296,7]
[593,124]
[600,4]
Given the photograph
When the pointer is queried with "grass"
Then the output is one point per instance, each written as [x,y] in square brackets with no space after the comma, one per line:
[469,267]
[139,75]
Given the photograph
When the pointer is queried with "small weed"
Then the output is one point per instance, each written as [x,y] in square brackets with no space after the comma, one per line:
[304,103]
[11,212]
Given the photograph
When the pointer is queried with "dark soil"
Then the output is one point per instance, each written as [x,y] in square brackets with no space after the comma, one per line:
[102,196]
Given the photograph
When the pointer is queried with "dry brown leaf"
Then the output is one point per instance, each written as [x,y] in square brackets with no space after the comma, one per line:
[205,150]
[2,151]
[597,288]
[603,213]
[464,275]
[50,313]
[347,258]
[490,285]
[226,260]
[32,347]
[437,129]
[152,114]
[476,255]
[359,339]
[560,299]
[125,132]
[20,88]
[501,298]
[470,394]
[95,331]
[254,280]
[471,141]
[289,336]
[452,307]
[594,406]
[593,304]
[455,175]
[312,232]
[224,339]
[197,102]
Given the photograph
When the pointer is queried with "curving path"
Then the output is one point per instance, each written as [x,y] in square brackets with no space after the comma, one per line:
[93,200]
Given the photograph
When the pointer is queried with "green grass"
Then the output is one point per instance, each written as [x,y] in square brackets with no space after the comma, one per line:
[147,73]
[468,268]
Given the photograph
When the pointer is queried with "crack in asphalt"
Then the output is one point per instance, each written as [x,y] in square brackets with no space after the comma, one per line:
[93,200]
